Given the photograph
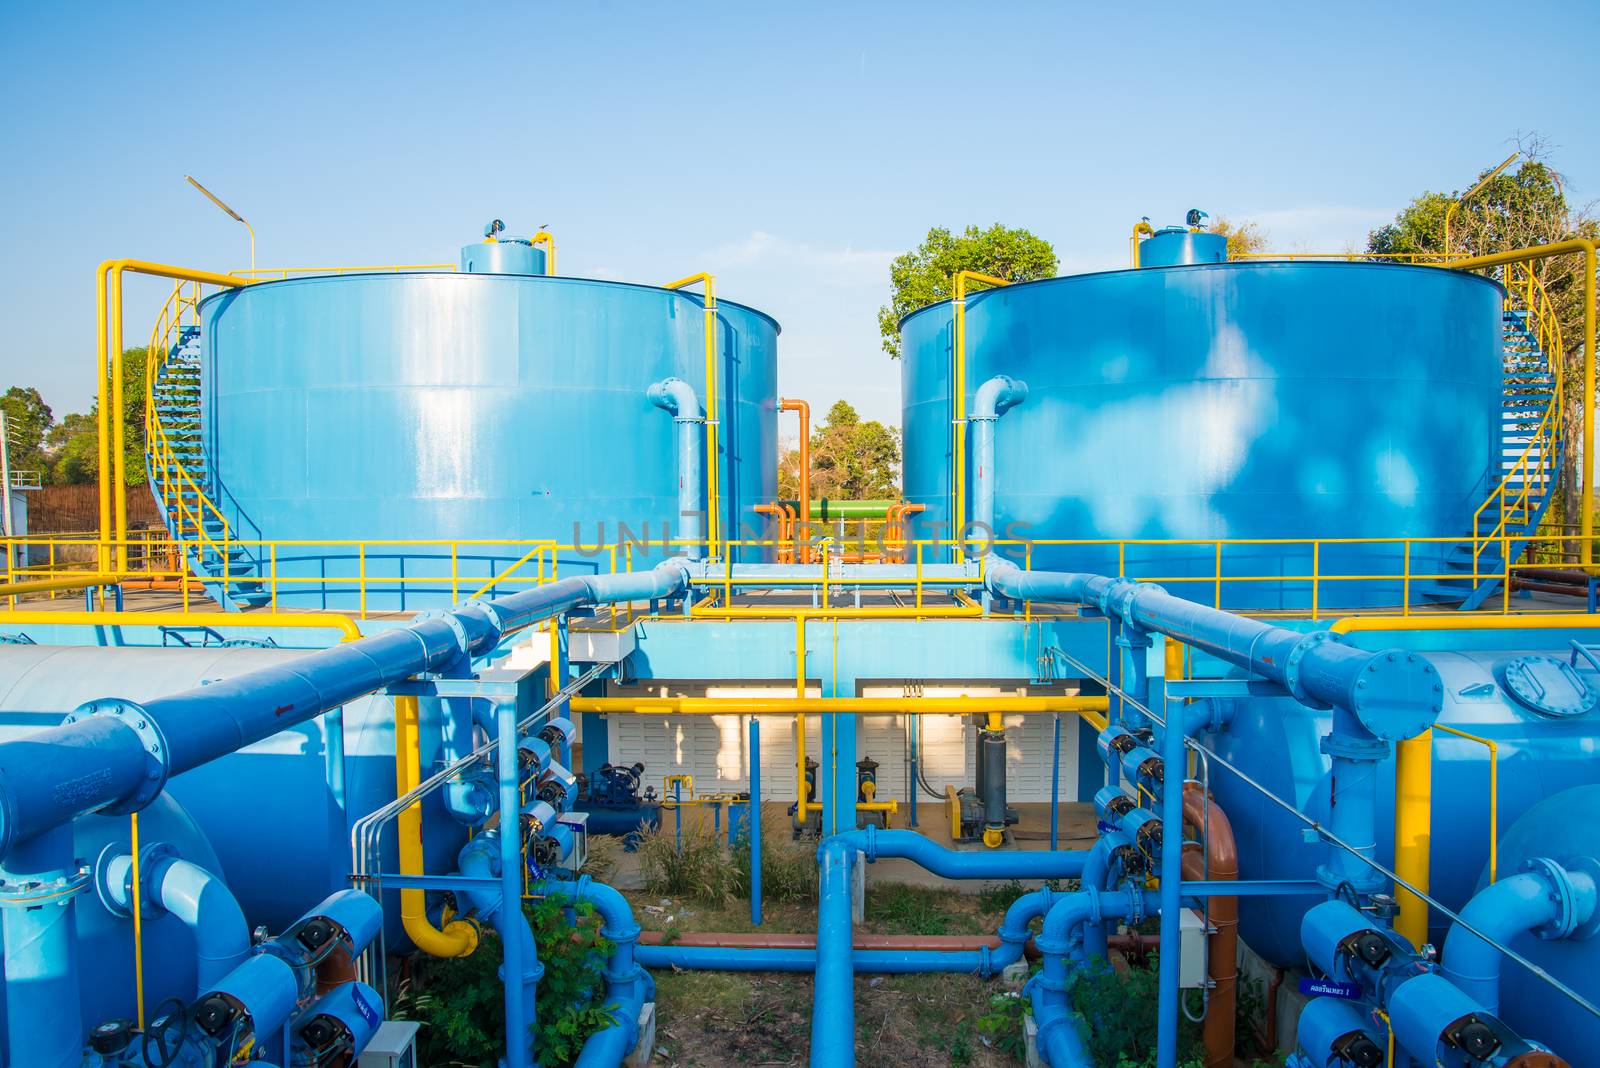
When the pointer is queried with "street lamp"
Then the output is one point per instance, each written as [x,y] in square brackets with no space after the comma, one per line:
[1468,195]
[209,195]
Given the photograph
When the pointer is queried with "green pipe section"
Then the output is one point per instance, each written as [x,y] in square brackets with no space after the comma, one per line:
[823,508]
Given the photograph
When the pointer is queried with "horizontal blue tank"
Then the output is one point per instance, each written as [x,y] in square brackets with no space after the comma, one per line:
[486,406]
[1223,400]
[1563,828]
[278,813]
[1276,741]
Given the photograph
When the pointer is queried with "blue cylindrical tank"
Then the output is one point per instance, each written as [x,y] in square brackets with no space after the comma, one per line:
[416,406]
[1176,246]
[1276,741]
[1563,828]
[278,813]
[1229,401]
[505,256]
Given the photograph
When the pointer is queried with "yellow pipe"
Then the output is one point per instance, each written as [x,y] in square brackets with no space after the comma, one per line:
[1142,228]
[1544,621]
[459,938]
[840,612]
[710,301]
[801,808]
[1586,248]
[548,240]
[779,706]
[1413,816]
[103,422]
[112,474]
[958,515]
[295,620]
[80,581]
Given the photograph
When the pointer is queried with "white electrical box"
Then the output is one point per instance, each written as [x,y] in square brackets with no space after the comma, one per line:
[394,1046]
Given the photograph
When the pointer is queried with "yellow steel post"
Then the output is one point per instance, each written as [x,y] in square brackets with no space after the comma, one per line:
[1413,817]
[800,717]
[103,416]
[709,283]
[138,919]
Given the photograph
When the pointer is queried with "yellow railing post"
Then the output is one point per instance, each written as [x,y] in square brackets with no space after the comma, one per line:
[1413,831]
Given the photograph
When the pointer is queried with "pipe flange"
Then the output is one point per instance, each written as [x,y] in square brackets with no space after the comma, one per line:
[1398,695]
[36,893]
[1565,920]
[1352,747]
[1291,665]
[149,857]
[1590,867]
[454,622]
[151,739]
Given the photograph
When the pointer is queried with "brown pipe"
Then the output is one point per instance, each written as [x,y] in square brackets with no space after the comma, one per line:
[863,940]
[1221,862]
[804,409]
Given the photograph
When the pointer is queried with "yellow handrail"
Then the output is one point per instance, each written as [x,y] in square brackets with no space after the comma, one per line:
[1587,249]
[958,515]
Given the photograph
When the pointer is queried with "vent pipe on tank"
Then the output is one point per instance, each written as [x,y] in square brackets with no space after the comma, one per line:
[678,397]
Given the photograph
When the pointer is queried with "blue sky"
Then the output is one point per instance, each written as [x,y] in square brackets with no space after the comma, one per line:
[791,149]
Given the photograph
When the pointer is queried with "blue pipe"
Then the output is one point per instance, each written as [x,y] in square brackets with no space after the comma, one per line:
[41,953]
[678,397]
[481,858]
[755,821]
[1167,976]
[628,986]
[983,961]
[1061,941]
[833,1010]
[1551,900]
[119,755]
[1395,694]
[1326,1021]
[992,400]
[200,900]
[1097,875]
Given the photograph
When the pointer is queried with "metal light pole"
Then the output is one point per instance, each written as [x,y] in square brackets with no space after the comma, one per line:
[209,195]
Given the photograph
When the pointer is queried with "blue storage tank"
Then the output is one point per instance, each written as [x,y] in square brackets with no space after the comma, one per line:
[1224,400]
[492,406]
[1542,751]
[278,814]
[1563,828]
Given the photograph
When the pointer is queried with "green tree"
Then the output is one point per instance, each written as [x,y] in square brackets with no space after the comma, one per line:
[28,421]
[74,450]
[923,275]
[1526,205]
[851,460]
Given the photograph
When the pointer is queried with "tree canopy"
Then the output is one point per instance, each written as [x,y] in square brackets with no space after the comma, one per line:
[1523,206]
[850,460]
[1244,238]
[922,276]
[67,452]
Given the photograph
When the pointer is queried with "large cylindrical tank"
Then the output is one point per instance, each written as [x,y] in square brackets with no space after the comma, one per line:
[1276,741]
[277,813]
[1226,401]
[491,406]
[1563,828]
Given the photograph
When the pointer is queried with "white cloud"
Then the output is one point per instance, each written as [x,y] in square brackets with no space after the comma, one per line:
[762,249]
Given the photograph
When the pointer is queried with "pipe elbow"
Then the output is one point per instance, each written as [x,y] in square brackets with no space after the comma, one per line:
[997,396]
[459,938]
[204,904]
[678,397]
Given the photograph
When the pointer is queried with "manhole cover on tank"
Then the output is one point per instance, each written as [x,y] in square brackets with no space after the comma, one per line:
[1550,687]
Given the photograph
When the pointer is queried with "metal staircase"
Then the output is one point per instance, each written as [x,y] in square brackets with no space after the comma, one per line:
[1532,444]
[179,466]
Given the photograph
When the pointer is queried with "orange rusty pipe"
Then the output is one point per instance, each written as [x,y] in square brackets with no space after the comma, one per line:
[1220,863]
[804,410]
